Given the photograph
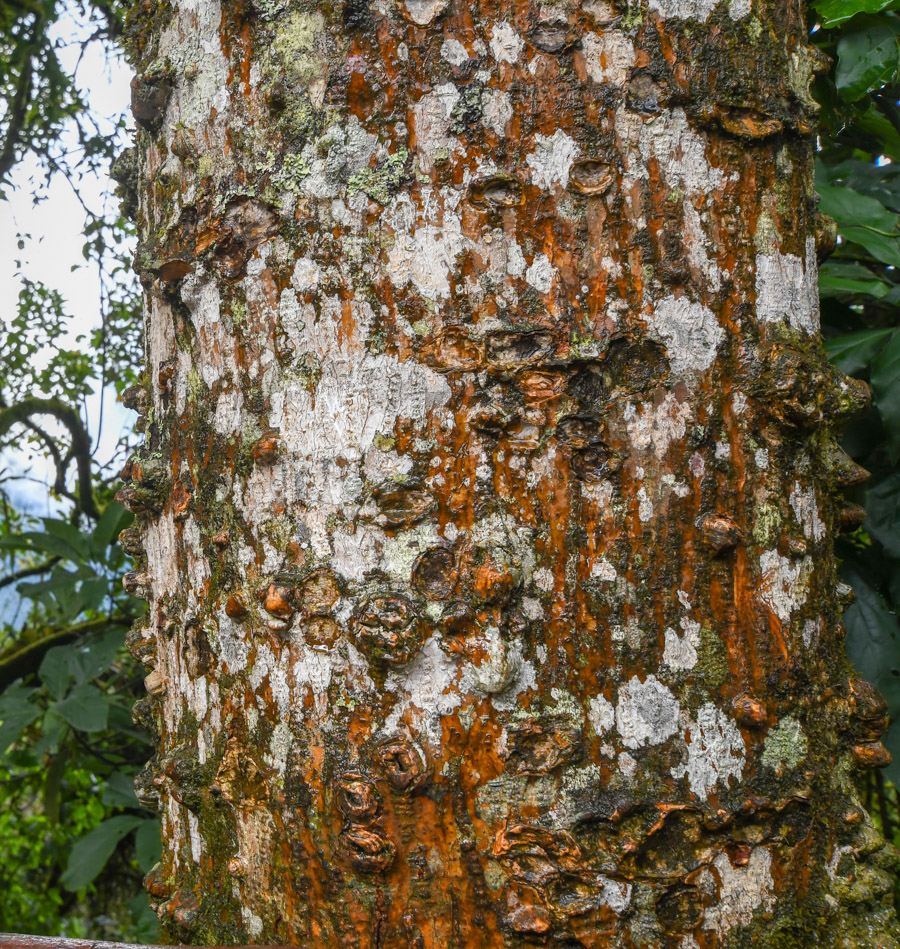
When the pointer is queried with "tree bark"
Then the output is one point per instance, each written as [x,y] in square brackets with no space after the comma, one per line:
[490,481]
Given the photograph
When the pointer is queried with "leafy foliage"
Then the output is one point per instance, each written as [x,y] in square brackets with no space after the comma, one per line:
[74,841]
[858,180]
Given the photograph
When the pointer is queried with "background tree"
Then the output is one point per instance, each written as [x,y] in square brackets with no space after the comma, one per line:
[68,748]
[491,479]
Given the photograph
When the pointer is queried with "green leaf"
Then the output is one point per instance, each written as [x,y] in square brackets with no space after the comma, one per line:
[113,521]
[38,541]
[853,353]
[835,12]
[91,852]
[54,670]
[837,279]
[885,379]
[89,659]
[891,741]
[873,639]
[863,220]
[16,713]
[883,510]
[69,534]
[94,592]
[868,58]
[119,791]
[85,708]
[849,207]
[148,843]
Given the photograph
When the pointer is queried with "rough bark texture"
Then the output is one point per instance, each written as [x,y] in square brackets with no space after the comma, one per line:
[490,481]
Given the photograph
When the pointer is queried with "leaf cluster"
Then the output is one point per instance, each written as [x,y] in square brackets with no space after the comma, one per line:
[858,181]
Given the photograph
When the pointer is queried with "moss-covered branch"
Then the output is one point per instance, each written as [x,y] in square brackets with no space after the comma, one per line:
[23,411]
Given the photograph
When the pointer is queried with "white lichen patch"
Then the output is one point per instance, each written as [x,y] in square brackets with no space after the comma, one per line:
[645,506]
[506,44]
[425,690]
[603,570]
[432,118]
[343,150]
[306,275]
[608,57]
[540,274]
[680,652]
[690,331]
[453,52]
[679,151]
[552,159]
[697,9]
[423,12]
[646,712]
[657,426]
[741,890]
[601,714]
[696,246]
[715,751]
[784,583]
[423,255]
[358,396]
[807,512]
[498,667]
[785,746]
[787,289]
[496,110]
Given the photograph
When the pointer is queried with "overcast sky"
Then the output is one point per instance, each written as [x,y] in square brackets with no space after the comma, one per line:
[53,254]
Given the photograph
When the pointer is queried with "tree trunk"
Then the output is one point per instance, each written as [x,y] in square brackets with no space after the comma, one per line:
[490,481]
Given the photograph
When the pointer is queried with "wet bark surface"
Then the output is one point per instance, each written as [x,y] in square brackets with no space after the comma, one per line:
[490,481]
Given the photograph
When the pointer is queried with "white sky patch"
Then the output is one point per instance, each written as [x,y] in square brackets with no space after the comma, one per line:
[540,274]
[715,752]
[552,159]
[657,426]
[506,44]
[807,512]
[691,333]
[783,586]
[608,56]
[786,289]
[646,712]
